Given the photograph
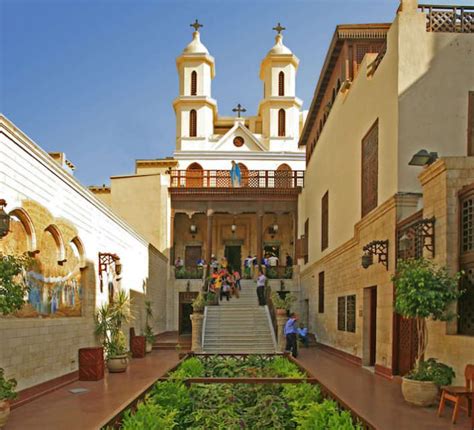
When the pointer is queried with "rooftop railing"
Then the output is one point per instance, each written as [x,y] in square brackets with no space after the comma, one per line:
[249,179]
[448,19]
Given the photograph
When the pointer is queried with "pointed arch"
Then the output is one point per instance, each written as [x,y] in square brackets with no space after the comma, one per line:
[58,239]
[281,84]
[281,123]
[24,218]
[283,176]
[194,83]
[193,123]
[194,175]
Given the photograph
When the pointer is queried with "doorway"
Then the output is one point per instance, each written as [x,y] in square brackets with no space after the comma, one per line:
[370,326]
[185,311]
[191,255]
[234,257]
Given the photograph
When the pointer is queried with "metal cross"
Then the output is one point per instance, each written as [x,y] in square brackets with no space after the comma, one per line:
[239,109]
[196,25]
[279,28]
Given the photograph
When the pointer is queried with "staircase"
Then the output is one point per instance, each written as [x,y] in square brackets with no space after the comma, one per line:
[239,325]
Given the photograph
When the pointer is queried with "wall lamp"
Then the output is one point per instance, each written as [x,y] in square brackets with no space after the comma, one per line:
[423,158]
[273,229]
[4,219]
[193,229]
[421,232]
[376,247]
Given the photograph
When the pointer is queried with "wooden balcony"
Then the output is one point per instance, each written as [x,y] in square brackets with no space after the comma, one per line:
[251,179]
[448,19]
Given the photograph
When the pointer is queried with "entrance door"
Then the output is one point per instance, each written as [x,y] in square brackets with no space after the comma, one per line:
[233,255]
[191,255]
[406,345]
[185,311]
[370,327]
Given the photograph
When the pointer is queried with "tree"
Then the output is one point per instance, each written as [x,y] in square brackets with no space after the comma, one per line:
[13,287]
[423,291]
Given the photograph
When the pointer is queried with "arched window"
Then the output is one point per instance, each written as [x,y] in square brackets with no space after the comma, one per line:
[27,227]
[194,175]
[193,123]
[283,176]
[193,83]
[281,123]
[281,84]
[54,231]
[78,251]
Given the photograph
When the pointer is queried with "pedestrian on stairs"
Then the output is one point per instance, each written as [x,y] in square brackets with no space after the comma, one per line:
[237,280]
[291,331]
[261,288]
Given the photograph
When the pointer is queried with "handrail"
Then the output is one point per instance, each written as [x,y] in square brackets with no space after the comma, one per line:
[203,328]
[272,329]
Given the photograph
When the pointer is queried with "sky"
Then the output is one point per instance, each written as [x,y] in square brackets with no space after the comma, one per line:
[96,78]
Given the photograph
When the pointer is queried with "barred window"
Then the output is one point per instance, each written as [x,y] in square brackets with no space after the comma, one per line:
[192,123]
[369,170]
[467,225]
[341,313]
[346,313]
[321,293]
[325,221]
[193,83]
[281,84]
[281,123]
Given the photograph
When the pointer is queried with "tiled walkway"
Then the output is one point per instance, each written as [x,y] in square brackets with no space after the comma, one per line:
[62,410]
[373,397]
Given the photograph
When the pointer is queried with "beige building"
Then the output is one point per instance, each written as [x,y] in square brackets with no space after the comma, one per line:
[385,92]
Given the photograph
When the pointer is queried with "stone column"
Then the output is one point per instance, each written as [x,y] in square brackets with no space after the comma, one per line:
[210,216]
[196,336]
[281,321]
[172,237]
[259,236]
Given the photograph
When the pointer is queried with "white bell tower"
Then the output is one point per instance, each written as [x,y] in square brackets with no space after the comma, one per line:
[280,108]
[195,109]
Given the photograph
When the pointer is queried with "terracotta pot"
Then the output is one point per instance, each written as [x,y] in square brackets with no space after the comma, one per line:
[281,312]
[4,412]
[419,393]
[149,347]
[117,364]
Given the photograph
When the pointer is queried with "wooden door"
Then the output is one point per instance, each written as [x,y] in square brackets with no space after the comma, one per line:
[233,255]
[373,326]
[191,255]
[406,345]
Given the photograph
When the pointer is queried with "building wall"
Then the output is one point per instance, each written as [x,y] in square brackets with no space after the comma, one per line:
[37,349]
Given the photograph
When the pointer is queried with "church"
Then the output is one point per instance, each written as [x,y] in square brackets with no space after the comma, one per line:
[195,204]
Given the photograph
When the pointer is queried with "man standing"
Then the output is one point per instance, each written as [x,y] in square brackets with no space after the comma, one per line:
[290,333]
[261,288]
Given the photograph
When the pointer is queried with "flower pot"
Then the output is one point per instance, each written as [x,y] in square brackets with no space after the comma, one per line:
[91,364]
[149,347]
[281,312]
[419,393]
[117,364]
[4,412]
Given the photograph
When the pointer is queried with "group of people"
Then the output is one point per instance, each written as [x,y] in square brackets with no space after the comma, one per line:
[223,280]
[269,260]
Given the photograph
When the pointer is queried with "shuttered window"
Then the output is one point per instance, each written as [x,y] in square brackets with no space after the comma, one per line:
[281,84]
[341,313]
[192,123]
[321,292]
[346,313]
[325,221]
[193,83]
[306,241]
[281,123]
[370,167]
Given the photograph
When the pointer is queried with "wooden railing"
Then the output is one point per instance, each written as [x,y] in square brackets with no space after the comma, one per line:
[448,19]
[249,179]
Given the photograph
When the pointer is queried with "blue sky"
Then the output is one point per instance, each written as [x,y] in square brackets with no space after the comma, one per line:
[96,78]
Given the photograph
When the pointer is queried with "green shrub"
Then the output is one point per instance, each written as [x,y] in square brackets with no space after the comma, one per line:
[284,368]
[13,287]
[324,416]
[432,370]
[149,416]
[7,387]
[190,368]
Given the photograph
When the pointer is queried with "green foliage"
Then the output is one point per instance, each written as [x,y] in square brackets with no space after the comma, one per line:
[299,396]
[424,290]
[324,416]
[199,303]
[189,273]
[109,320]
[190,368]
[432,370]
[285,303]
[283,367]
[7,387]
[13,288]
[149,416]
[148,332]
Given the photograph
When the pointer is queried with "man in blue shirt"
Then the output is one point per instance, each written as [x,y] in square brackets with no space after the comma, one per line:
[290,333]
[303,335]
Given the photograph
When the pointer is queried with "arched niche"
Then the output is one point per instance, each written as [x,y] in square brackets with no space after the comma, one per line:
[54,231]
[23,218]
[78,250]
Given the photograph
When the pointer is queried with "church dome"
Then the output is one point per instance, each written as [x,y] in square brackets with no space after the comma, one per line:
[279,48]
[195,47]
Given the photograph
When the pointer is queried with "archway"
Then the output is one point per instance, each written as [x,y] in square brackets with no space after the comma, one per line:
[25,229]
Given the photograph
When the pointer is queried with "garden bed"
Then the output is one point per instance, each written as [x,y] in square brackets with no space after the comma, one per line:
[237,392]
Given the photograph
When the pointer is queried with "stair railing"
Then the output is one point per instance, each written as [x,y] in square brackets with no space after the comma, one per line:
[203,328]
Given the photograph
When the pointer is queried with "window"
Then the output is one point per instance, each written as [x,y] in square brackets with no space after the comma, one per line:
[321,293]
[369,170]
[193,83]
[193,123]
[325,221]
[281,84]
[470,124]
[346,313]
[281,123]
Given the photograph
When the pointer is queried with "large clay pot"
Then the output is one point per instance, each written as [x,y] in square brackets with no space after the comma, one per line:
[149,347]
[281,312]
[117,364]
[4,412]
[419,393]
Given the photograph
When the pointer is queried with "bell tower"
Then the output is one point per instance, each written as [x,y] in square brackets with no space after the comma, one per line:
[194,107]
[280,108]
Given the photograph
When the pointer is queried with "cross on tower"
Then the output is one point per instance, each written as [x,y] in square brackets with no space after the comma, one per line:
[196,25]
[279,28]
[239,109]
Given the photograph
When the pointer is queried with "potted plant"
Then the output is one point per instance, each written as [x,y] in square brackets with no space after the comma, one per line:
[110,319]
[7,393]
[282,305]
[12,280]
[423,291]
[199,303]
[149,335]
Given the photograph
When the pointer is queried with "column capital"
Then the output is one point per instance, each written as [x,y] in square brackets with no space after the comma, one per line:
[210,212]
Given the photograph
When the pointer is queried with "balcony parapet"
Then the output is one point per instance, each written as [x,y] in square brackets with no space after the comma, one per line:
[448,18]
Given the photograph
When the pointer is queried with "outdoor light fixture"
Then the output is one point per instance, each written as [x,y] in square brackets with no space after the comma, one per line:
[233,227]
[416,237]
[4,219]
[376,247]
[193,229]
[404,242]
[423,158]
[105,260]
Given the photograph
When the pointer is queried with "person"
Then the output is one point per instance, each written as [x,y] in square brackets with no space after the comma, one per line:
[248,267]
[224,263]
[289,260]
[178,264]
[237,280]
[261,288]
[225,290]
[214,263]
[235,174]
[303,335]
[201,262]
[290,334]
[273,260]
